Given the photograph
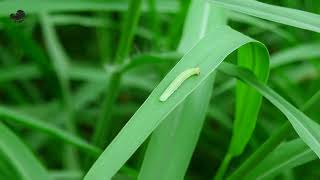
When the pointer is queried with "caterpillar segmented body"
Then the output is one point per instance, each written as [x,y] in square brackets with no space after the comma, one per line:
[174,85]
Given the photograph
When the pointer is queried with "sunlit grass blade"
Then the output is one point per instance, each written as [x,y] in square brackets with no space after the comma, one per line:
[139,127]
[292,17]
[159,89]
[181,129]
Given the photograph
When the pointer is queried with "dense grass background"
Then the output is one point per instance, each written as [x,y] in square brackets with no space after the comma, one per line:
[80,83]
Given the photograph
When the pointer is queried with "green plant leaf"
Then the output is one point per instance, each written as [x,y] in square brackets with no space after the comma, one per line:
[291,17]
[297,53]
[307,129]
[207,56]
[264,25]
[10,115]
[248,100]
[286,156]
[39,6]
[172,144]
[20,157]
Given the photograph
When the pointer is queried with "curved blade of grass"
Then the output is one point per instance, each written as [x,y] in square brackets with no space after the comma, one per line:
[38,6]
[283,57]
[291,17]
[10,115]
[245,116]
[265,25]
[180,130]
[206,55]
[286,156]
[19,72]
[172,144]
[85,21]
[85,73]
[68,20]
[60,64]
[21,158]
[271,143]
[7,170]
[297,53]
[248,102]
[307,129]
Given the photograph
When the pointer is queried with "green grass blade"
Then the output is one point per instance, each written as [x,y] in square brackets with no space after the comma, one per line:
[7,171]
[60,65]
[24,162]
[248,100]
[291,17]
[164,157]
[181,129]
[307,129]
[101,135]
[66,175]
[270,144]
[300,52]
[265,25]
[38,6]
[207,56]
[19,72]
[286,156]
[10,115]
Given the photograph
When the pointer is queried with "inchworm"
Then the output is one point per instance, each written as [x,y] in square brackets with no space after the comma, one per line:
[177,82]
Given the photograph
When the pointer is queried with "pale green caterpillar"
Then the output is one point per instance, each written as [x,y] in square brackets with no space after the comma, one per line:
[177,82]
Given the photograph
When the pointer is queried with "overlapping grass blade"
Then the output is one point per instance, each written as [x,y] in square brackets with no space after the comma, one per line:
[60,65]
[101,135]
[181,129]
[291,17]
[307,129]
[206,55]
[264,25]
[7,114]
[286,156]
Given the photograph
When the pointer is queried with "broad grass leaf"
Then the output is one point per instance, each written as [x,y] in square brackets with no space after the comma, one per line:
[207,55]
[172,144]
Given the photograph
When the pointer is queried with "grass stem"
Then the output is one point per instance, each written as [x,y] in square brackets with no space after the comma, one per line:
[223,167]
[103,126]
